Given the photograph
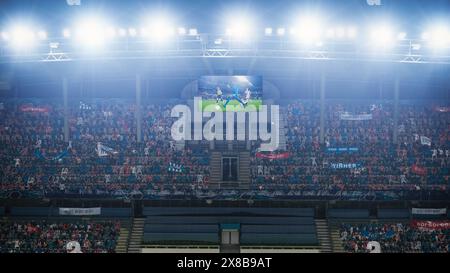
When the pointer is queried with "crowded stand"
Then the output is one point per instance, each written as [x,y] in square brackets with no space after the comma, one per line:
[358,160]
[47,236]
[394,238]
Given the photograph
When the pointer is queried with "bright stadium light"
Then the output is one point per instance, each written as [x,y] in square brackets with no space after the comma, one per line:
[122,32]
[159,28]
[132,32]
[91,32]
[42,35]
[437,36]
[309,29]
[239,27]
[110,32]
[181,31]
[21,37]
[351,32]
[268,31]
[401,36]
[382,36]
[5,35]
[281,31]
[66,33]
[193,32]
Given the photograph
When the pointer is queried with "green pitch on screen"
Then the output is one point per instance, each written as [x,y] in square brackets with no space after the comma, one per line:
[233,105]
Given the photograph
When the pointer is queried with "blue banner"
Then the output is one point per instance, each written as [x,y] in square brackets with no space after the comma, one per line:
[342,150]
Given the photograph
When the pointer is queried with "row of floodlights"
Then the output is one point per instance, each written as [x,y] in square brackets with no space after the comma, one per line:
[93,33]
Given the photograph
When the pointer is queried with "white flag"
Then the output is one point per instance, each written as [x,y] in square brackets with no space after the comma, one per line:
[425,140]
[103,150]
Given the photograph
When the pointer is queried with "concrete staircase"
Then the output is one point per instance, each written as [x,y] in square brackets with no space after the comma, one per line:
[244,170]
[283,123]
[122,243]
[215,167]
[323,234]
[336,239]
[137,232]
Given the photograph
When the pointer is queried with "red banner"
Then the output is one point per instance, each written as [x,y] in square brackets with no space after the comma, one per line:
[431,225]
[273,156]
[30,108]
[418,170]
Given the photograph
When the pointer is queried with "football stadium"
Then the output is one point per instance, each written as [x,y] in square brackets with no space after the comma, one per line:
[245,127]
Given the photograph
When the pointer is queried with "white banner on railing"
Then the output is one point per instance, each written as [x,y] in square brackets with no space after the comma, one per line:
[348,116]
[79,211]
[429,211]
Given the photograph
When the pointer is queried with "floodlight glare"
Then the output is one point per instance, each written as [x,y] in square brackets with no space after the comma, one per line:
[66,33]
[122,32]
[5,35]
[193,32]
[159,29]
[181,31]
[401,36]
[42,35]
[382,36]
[438,37]
[340,32]
[110,32]
[22,37]
[268,31]
[281,31]
[132,32]
[239,27]
[91,32]
[351,32]
[309,29]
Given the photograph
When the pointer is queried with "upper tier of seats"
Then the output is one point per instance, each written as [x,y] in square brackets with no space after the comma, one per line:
[37,162]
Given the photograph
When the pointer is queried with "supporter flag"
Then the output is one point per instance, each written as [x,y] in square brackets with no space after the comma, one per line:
[176,168]
[425,140]
[103,150]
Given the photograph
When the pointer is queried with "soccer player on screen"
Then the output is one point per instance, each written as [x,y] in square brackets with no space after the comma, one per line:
[218,95]
[247,94]
[234,96]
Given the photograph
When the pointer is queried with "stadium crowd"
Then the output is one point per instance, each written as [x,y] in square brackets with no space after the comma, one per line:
[52,237]
[358,159]
[394,238]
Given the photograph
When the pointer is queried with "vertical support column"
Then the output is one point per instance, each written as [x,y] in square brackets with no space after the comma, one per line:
[66,109]
[396,98]
[138,113]
[322,109]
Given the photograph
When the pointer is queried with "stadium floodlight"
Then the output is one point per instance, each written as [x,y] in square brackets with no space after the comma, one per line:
[331,33]
[438,36]
[351,32]
[181,31]
[401,36]
[42,35]
[66,33]
[239,27]
[132,32]
[281,31]
[268,31]
[193,32]
[340,32]
[21,37]
[5,35]
[309,29]
[160,28]
[110,32]
[91,32]
[382,36]
[122,32]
